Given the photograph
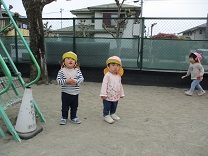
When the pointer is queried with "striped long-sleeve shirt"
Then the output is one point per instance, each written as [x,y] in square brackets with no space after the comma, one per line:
[69,88]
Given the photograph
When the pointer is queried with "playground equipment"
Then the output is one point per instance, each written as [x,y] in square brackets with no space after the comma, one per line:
[12,83]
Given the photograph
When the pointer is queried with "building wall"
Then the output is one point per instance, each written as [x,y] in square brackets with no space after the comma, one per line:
[197,35]
[88,21]
[98,23]
[98,14]
[23,31]
[128,32]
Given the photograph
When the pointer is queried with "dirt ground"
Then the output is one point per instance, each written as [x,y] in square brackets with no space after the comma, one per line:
[155,121]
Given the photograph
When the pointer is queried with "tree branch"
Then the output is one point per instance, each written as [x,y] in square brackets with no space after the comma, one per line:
[104,26]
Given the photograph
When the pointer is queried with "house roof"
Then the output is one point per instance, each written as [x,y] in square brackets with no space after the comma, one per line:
[108,7]
[194,28]
[113,6]
[12,13]
[77,11]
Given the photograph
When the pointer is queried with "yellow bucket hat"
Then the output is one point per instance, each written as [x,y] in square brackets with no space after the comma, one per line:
[114,59]
[117,60]
[70,54]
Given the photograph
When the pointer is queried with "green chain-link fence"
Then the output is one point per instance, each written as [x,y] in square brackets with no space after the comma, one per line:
[93,44]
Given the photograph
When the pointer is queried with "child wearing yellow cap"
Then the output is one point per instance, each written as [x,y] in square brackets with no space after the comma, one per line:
[69,77]
[112,89]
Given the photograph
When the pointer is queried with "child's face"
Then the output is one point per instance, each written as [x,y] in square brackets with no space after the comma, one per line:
[69,62]
[191,59]
[114,67]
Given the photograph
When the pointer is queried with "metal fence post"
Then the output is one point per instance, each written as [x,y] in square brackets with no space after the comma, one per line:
[140,47]
[74,35]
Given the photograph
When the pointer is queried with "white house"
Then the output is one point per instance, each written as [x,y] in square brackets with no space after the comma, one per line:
[196,33]
[106,13]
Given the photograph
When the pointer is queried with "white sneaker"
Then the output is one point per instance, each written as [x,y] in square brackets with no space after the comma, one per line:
[115,117]
[201,93]
[188,93]
[108,119]
[63,121]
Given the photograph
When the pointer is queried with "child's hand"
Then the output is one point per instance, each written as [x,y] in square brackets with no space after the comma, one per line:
[103,97]
[74,82]
[183,76]
[71,81]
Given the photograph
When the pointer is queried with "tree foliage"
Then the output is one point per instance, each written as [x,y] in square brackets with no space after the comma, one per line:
[165,36]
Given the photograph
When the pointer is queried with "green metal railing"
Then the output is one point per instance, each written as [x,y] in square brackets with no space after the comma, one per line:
[25,44]
[7,73]
[11,79]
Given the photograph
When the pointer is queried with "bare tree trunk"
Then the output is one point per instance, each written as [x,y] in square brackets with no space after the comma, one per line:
[34,15]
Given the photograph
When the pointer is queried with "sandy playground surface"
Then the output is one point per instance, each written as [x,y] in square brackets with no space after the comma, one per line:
[155,121]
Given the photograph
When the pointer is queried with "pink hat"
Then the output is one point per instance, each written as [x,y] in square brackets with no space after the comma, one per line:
[114,59]
[199,57]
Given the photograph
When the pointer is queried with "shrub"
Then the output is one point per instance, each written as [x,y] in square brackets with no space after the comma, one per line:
[165,36]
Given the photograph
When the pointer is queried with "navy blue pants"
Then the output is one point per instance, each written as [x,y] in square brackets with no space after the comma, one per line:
[69,101]
[109,107]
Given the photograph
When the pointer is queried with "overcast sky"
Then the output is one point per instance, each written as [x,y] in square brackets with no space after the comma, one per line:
[151,8]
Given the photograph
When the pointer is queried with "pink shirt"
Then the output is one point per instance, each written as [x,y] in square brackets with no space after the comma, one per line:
[112,87]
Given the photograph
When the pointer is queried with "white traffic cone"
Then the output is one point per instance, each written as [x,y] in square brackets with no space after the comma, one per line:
[26,121]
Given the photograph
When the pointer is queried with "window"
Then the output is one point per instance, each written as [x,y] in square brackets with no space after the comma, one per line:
[7,22]
[200,31]
[93,20]
[106,19]
[109,19]
[24,26]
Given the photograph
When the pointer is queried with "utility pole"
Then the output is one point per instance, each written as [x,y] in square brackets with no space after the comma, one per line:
[61,10]
[152,25]
[141,4]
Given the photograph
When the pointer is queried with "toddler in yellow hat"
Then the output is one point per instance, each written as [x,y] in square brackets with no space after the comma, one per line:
[69,77]
[112,89]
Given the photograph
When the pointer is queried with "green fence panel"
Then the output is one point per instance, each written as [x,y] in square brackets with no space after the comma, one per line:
[158,54]
[90,54]
[169,54]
